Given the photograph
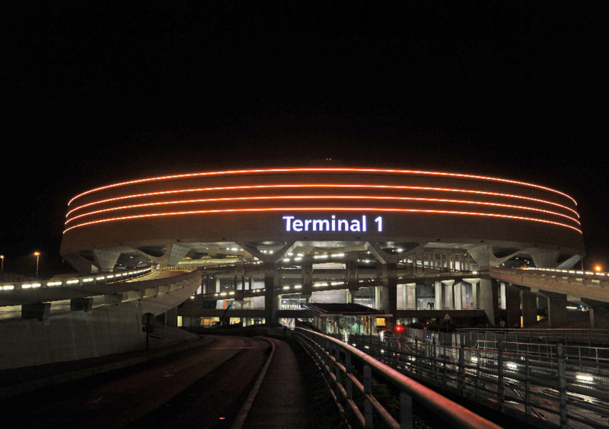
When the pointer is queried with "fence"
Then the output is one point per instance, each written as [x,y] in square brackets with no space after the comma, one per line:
[541,384]
[354,394]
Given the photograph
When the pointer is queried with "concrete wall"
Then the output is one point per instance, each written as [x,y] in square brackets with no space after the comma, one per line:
[71,336]
[74,335]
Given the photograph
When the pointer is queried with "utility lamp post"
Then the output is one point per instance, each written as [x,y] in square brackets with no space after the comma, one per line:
[37,254]
[2,258]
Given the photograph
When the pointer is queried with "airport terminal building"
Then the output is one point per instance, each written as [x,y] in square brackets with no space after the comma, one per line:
[280,243]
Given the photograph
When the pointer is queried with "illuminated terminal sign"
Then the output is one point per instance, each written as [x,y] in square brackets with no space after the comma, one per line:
[333,224]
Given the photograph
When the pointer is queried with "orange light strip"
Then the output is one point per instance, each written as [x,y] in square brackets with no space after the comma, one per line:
[328,185]
[288,209]
[317,170]
[318,197]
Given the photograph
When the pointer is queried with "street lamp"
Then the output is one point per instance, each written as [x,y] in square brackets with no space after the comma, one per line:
[2,258]
[37,254]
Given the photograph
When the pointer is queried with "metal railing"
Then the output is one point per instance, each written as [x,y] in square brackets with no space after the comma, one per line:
[555,385]
[351,373]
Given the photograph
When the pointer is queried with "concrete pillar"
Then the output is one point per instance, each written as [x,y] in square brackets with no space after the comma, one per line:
[599,313]
[512,304]
[271,299]
[389,280]
[545,258]
[458,291]
[599,318]
[307,280]
[557,311]
[175,254]
[413,297]
[439,295]
[389,291]
[503,295]
[488,299]
[239,276]
[475,283]
[528,304]
[105,260]
[352,271]
[449,295]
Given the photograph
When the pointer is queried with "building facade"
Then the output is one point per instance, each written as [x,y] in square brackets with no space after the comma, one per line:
[270,240]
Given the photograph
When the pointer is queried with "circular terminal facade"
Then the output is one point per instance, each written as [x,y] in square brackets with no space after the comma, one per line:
[323,205]
[392,216]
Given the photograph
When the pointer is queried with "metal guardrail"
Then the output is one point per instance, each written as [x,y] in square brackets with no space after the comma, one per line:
[76,280]
[574,337]
[336,359]
[561,386]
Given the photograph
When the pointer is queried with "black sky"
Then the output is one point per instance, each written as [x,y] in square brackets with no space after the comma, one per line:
[95,92]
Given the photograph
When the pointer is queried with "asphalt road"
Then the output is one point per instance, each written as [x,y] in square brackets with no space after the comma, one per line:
[202,387]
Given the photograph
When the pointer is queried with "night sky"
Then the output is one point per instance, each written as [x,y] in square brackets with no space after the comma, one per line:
[96,92]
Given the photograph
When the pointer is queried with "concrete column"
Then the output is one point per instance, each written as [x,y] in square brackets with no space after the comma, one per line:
[412,296]
[271,299]
[439,295]
[503,295]
[389,291]
[307,280]
[105,260]
[458,291]
[528,304]
[352,271]
[475,304]
[599,318]
[175,254]
[511,299]
[389,280]
[488,299]
[557,311]
[599,313]
[449,303]
[240,276]
[545,258]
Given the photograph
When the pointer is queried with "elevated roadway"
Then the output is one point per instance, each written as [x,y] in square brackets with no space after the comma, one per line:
[560,288]
[76,318]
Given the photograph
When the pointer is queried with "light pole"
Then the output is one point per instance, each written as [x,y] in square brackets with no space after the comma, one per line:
[2,258]
[37,254]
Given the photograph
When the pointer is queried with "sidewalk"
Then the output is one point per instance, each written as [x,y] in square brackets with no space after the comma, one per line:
[281,402]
